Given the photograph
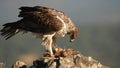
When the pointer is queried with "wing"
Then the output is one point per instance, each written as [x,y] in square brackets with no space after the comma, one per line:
[36,12]
[33,20]
[42,17]
[10,29]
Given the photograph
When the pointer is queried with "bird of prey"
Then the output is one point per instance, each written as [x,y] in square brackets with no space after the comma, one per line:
[46,23]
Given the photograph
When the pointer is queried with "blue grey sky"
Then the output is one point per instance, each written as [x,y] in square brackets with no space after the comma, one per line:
[80,11]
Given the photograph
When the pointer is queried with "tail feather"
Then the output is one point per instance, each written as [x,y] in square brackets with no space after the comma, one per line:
[8,31]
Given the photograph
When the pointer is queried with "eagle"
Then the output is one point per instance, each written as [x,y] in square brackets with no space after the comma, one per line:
[45,23]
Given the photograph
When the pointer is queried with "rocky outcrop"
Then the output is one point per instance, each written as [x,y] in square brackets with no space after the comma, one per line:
[67,58]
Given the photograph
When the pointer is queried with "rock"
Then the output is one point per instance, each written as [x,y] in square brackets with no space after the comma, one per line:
[68,58]
[19,64]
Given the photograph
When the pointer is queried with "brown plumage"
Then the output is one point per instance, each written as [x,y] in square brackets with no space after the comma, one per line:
[45,23]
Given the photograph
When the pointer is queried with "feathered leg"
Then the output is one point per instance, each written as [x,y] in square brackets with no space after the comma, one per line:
[47,42]
[54,47]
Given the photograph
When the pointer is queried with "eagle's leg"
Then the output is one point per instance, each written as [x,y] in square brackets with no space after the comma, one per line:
[47,42]
[48,45]
[54,47]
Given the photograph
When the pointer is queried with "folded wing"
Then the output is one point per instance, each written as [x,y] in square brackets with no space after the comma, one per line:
[34,19]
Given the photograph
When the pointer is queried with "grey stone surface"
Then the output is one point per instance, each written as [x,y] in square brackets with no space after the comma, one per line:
[72,59]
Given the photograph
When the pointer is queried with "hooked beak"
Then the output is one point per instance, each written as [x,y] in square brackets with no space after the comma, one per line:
[73,34]
[72,40]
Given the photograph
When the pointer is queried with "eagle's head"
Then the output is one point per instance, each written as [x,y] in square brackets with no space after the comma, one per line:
[73,34]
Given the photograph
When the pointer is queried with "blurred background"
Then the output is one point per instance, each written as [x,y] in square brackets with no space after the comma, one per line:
[98,22]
